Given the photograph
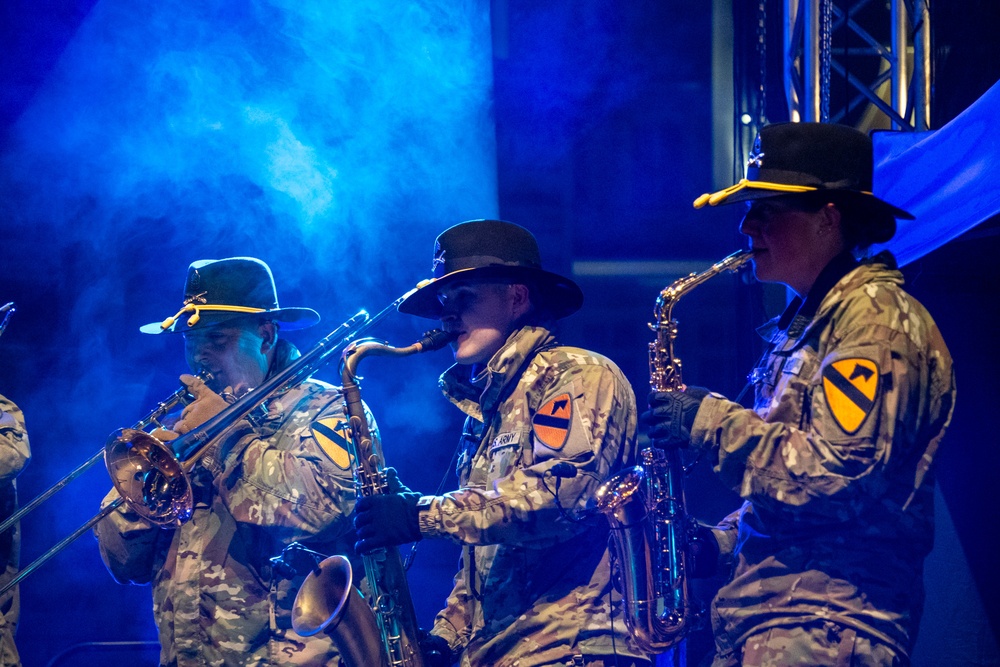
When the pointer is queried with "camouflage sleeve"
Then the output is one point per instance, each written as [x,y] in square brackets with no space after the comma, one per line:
[298,481]
[14,449]
[726,535]
[128,543]
[844,424]
[454,622]
[591,428]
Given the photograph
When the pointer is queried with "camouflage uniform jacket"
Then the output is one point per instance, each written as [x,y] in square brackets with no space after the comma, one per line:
[14,456]
[215,599]
[834,465]
[534,584]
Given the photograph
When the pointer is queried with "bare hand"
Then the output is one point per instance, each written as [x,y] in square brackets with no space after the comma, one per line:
[206,404]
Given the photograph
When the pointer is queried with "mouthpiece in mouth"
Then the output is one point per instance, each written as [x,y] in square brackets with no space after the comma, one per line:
[435,339]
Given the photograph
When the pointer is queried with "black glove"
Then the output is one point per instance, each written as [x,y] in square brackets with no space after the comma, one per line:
[436,651]
[386,520]
[671,416]
[392,483]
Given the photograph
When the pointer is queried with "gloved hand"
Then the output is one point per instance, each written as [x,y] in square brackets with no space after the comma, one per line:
[435,650]
[671,416]
[393,485]
[206,404]
[386,520]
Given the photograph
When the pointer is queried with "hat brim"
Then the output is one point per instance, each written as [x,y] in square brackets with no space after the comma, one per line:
[563,296]
[290,319]
[754,190]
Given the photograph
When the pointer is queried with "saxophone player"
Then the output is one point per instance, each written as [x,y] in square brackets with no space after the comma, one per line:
[853,396]
[545,425]
[285,477]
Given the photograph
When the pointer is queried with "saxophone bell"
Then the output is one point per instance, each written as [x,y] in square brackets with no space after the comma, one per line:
[329,601]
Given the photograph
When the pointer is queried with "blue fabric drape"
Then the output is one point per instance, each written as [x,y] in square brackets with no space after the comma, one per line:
[944,177]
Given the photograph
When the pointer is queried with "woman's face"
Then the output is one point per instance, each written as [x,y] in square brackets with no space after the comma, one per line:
[791,245]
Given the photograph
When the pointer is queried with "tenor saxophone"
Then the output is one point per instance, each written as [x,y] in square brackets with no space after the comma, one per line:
[645,504]
[391,613]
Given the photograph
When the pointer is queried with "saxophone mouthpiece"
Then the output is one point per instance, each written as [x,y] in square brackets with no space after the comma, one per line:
[435,339]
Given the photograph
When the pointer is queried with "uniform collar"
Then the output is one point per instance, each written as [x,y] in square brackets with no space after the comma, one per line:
[840,275]
[799,311]
[480,394]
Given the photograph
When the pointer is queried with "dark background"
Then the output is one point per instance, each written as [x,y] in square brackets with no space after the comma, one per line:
[604,117]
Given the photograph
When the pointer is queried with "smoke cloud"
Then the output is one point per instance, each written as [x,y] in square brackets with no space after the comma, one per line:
[332,139]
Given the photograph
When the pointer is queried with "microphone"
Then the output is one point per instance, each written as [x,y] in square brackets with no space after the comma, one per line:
[563,470]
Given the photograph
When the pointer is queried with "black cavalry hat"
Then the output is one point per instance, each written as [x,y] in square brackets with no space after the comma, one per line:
[490,250]
[224,290]
[792,158]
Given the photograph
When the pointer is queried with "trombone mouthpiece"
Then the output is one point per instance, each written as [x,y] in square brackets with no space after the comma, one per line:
[435,339]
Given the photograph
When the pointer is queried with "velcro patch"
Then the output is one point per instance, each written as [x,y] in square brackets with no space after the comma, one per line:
[552,421]
[504,440]
[850,386]
[333,436]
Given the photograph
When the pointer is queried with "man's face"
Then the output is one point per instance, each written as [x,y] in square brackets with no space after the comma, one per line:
[236,355]
[787,243]
[483,315]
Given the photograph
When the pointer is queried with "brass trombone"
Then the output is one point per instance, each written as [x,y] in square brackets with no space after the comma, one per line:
[152,476]
[179,397]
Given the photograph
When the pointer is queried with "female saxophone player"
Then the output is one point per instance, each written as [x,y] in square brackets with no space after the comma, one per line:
[852,399]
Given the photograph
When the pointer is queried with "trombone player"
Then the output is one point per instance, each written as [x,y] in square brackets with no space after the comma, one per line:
[285,477]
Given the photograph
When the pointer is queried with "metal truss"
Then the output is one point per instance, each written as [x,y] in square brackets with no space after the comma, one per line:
[884,63]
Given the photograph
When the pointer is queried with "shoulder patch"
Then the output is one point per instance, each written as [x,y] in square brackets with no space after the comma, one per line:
[552,421]
[333,437]
[850,386]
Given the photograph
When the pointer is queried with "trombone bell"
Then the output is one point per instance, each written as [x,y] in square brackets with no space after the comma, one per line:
[149,477]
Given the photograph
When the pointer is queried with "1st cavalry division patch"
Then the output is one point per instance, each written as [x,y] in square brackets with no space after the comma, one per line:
[332,435]
[850,387]
[551,422]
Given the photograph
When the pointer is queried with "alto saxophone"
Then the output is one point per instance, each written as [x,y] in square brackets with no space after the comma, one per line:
[327,600]
[645,504]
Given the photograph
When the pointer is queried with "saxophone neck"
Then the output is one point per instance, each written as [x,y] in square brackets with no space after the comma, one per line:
[432,340]
[675,290]
[367,459]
